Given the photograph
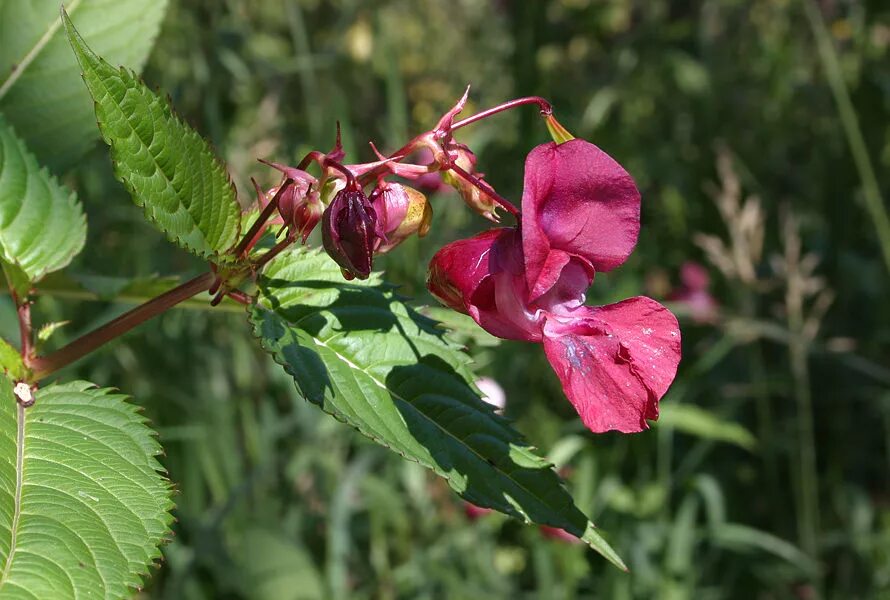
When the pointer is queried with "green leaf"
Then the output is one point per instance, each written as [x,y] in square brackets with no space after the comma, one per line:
[16,279]
[699,422]
[741,537]
[83,506]
[40,91]
[461,328]
[42,226]
[11,361]
[273,567]
[170,171]
[47,330]
[361,354]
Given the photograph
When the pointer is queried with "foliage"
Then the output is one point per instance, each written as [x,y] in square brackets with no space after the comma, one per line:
[273,492]
[84,503]
[368,359]
[42,226]
[168,168]
[40,92]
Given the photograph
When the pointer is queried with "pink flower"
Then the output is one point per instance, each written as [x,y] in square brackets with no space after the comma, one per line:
[694,293]
[474,513]
[560,535]
[401,212]
[580,214]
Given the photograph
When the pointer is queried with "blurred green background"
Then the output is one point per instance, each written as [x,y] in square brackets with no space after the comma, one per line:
[757,131]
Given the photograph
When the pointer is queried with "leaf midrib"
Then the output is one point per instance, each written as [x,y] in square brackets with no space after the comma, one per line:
[167,178]
[32,54]
[19,468]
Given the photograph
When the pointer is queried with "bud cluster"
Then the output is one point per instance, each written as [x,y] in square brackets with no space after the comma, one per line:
[362,211]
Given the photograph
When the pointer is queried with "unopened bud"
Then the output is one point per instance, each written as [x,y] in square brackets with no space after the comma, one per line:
[350,232]
[300,208]
[475,198]
[401,212]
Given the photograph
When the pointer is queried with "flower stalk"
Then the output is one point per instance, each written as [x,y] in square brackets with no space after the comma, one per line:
[46,365]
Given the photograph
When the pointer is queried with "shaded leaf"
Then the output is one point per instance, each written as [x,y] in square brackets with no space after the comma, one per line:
[11,361]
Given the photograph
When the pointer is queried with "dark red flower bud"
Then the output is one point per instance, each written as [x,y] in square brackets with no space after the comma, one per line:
[349,232]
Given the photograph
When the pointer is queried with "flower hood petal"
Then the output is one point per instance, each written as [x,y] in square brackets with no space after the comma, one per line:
[576,199]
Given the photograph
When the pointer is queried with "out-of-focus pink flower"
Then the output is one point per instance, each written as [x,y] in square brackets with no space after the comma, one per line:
[693,293]
[474,512]
[561,535]
[580,214]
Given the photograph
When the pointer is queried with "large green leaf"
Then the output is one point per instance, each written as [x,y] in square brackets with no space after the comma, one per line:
[170,171]
[42,225]
[40,91]
[83,506]
[365,357]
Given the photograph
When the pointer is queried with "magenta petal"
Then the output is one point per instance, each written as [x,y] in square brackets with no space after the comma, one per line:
[579,200]
[458,269]
[550,272]
[615,362]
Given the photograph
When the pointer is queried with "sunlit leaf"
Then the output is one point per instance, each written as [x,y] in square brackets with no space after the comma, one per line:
[83,505]
[170,171]
[42,226]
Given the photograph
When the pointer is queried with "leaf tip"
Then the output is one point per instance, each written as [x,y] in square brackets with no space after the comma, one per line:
[593,539]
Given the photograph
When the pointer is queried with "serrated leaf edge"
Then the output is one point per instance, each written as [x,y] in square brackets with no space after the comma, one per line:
[217,256]
[590,536]
[157,450]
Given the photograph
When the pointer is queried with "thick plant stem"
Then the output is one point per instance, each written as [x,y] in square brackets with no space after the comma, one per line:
[46,365]
[23,307]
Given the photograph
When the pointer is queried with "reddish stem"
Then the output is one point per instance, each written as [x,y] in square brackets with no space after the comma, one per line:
[239,297]
[274,251]
[254,233]
[546,110]
[46,365]
[25,330]
[315,155]
[484,187]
